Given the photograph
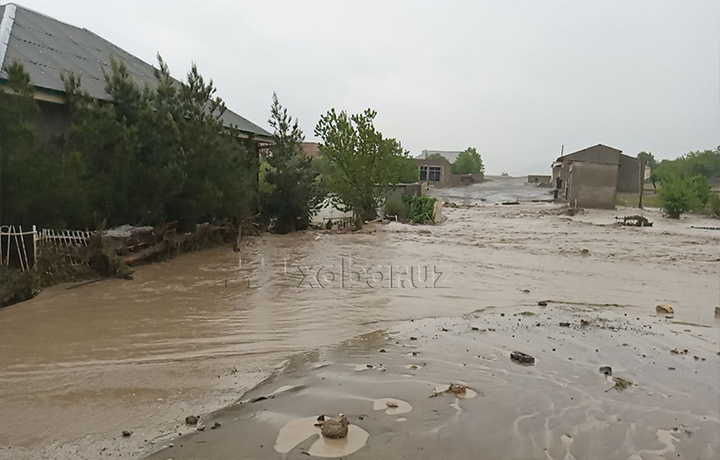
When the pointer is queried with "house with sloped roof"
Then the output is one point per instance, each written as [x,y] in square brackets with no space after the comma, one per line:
[592,177]
[48,48]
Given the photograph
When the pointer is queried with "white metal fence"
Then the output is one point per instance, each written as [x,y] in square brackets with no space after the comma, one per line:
[19,248]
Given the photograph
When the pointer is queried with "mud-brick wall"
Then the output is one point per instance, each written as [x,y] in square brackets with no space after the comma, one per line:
[629,175]
[593,185]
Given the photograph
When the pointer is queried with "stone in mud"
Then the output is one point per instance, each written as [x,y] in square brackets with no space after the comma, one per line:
[201,427]
[126,433]
[564,324]
[542,303]
[607,370]
[458,388]
[391,404]
[717,311]
[522,358]
[665,308]
[215,426]
[191,419]
[335,427]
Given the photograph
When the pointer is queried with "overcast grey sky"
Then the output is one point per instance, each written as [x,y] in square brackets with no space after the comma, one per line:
[515,79]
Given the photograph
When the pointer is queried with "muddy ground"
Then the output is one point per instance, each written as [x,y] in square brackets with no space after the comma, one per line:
[191,336]
[560,407]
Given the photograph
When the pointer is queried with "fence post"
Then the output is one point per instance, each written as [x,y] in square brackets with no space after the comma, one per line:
[35,245]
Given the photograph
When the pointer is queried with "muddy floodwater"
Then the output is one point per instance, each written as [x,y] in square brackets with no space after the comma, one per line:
[190,336]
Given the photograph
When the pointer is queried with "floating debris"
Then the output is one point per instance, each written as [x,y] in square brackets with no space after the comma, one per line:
[620,384]
[634,221]
[392,406]
[522,358]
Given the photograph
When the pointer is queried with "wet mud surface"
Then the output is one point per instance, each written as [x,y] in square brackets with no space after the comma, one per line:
[191,336]
[561,407]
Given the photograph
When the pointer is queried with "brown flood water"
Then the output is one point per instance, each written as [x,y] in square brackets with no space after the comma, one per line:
[78,366]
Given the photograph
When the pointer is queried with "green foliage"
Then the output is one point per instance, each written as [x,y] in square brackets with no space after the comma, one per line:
[714,202]
[148,157]
[468,162]
[435,156]
[359,163]
[406,169]
[704,163]
[418,209]
[395,208]
[678,195]
[701,188]
[648,159]
[292,191]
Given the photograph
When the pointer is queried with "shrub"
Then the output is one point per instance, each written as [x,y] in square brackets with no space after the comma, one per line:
[395,208]
[678,195]
[715,204]
[418,209]
[702,189]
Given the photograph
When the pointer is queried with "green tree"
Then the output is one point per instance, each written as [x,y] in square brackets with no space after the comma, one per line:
[435,156]
[702,189]
[704,163]
[677,195]
[361,163]
[647,159]
[468,162]
[291,195]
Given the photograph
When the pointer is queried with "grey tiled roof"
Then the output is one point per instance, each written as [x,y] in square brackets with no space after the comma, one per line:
[47,48]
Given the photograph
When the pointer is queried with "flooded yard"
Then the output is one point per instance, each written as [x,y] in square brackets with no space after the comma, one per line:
[80,365]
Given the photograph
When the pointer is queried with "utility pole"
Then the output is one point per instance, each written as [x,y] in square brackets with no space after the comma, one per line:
[642,182]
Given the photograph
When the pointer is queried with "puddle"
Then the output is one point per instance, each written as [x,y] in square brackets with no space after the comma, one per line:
[402,406]
[297,431]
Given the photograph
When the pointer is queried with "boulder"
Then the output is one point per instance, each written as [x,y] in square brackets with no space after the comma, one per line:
[335,427]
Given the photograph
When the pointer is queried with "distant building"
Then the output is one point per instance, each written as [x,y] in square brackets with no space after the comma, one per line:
[437,171]
[536,179]
[311,149]
[434,171]
[449,155]
[592,177]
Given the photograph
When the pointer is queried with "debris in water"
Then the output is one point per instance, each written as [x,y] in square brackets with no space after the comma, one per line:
[335,427]
[634,221]
[620,384]
[665,308]
[607,370]
[386,404]
[522,358]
